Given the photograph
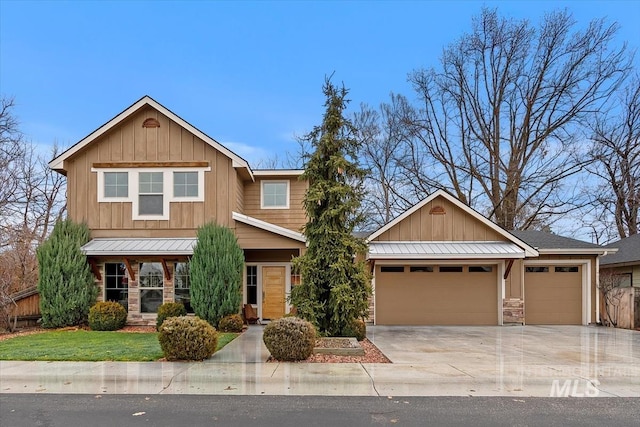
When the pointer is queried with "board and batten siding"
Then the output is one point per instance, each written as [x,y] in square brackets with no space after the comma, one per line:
[293,218]
[131,142]
[250,237]
[452,225]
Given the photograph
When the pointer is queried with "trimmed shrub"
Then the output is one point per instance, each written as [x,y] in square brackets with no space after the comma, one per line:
[107,316]
[187,338]
[170,309]
[66,285]
[231,323]
[289,338]
[215,271]
[357,329]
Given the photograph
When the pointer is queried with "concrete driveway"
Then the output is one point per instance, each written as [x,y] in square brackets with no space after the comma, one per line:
[536,360]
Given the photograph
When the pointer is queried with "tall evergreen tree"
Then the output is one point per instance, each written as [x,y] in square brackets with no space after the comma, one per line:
[65,282]
[216,273]
[335,287]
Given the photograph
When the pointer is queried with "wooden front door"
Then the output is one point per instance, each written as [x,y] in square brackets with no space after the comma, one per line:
[273,292]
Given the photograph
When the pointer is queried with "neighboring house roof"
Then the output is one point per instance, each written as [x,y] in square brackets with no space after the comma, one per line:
[548,243]
[445,250]
[142,246]
[58,163]
[529,250]
[628,251]
[267,226]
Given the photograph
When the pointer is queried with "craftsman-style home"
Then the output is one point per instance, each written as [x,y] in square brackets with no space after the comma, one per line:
[147,179]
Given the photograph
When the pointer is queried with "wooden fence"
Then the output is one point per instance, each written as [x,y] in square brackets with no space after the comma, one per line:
[624,311]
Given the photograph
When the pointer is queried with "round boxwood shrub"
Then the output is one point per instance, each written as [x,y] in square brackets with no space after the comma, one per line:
[290,338]
[107,316]
[357,329]
[169,309]
[187,338]
[230,323]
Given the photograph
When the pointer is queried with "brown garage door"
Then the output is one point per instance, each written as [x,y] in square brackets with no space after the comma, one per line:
[553,295]
[434,295]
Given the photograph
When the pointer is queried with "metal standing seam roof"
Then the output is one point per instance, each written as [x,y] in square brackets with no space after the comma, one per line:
[142,246]
[444,250]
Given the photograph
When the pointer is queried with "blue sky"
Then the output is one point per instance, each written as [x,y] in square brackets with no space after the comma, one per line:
[249,74]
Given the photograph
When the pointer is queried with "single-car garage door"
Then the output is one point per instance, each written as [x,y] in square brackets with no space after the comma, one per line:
[553,295]
[436,295]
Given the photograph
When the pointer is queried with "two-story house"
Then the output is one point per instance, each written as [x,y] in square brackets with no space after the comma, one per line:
[146,180]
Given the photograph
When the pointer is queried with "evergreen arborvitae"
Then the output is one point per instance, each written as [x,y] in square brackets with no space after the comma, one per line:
[215,271]
[335,288]
[65,282]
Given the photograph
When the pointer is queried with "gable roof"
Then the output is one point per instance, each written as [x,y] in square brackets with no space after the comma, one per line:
[552,243]
[529,251]
[57,164]
[628,251]
[267,226]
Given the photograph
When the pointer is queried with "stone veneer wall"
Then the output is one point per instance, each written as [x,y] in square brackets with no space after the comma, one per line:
[513,310]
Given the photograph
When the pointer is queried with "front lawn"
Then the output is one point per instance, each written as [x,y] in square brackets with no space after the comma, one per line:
[93,346]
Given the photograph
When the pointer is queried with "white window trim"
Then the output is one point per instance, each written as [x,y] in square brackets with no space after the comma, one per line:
[269,181]
[167,189]
[101,196]
[200,196]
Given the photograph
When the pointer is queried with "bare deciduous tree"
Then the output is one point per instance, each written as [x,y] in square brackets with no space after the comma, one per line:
[11,151]
[388,193]
[497,124]
[32,198]
[615,202]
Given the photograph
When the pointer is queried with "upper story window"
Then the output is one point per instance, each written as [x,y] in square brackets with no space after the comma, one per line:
[274,195]
[151,190]
[185,184]
[116,184]
[150,193]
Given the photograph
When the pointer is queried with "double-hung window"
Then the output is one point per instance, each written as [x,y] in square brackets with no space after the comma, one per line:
[150,193]
[151,190]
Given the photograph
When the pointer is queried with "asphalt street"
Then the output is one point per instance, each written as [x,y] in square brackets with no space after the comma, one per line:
[52,410]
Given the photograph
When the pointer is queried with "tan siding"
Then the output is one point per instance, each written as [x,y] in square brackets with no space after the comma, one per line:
[513,283]
[129,141]
[239,195]
[293,218]
[254,238]
[455,225]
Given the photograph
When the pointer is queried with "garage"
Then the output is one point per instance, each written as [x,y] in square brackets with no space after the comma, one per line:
[431,294]
[553,294]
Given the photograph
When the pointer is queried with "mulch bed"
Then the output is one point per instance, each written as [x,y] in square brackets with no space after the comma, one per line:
[371,355]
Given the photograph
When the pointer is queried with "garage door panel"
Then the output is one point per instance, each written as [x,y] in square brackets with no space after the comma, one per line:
[436,298]
[553,298]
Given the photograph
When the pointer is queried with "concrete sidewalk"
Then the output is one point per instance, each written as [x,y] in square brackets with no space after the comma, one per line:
[431,361]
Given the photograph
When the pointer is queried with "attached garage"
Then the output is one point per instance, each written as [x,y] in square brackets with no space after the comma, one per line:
[553,294]
[422,294]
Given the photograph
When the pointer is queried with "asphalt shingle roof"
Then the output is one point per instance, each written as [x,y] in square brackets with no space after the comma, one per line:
[628,251]
[544,240]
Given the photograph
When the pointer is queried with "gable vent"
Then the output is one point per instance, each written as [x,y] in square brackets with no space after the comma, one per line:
[437,210]
[151,123]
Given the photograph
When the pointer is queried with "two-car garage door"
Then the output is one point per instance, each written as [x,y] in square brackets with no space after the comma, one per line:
[436,295]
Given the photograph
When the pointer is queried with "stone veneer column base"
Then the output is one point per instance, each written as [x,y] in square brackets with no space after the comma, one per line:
[513,310]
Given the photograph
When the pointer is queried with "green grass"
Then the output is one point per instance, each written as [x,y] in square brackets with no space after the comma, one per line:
[81,345]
